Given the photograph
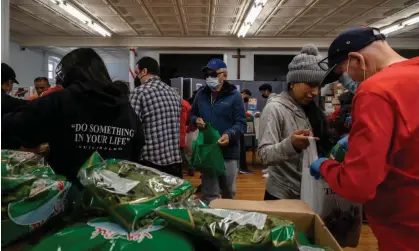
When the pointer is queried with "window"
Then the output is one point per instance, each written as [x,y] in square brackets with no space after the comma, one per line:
[52,65]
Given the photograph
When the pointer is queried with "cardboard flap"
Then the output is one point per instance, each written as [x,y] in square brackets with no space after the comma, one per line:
[272,206]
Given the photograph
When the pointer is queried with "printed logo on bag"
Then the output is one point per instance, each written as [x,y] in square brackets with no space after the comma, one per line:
[37,187]
[110,230]
[101,137]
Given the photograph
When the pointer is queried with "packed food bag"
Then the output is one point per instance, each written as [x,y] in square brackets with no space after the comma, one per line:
[31,195]
[342,217]
[102,234]
[207,156]
[19,162]
[232,229]
[130,192]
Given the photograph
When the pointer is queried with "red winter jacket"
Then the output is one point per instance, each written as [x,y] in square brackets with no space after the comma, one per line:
[381,168]
[184,115]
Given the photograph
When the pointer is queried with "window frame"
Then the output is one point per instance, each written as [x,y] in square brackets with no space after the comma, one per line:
[54,61]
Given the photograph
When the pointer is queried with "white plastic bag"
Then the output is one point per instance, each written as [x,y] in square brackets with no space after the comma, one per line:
[189,138]
[342,217]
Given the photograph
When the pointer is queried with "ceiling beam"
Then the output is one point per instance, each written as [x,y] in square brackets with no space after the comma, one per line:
[197,42]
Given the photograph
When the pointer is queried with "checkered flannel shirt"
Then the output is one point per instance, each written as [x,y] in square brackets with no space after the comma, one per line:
[158,107]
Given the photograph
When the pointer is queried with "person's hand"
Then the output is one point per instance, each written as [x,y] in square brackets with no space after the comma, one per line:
[200,123]
[257,115]
[315,168]
[224,140]
[300,139]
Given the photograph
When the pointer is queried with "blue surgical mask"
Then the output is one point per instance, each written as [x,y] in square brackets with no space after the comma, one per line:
[348,83]
[213,83]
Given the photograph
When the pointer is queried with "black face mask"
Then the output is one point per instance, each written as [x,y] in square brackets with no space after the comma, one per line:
[246,99]
[264,96]
[137,82]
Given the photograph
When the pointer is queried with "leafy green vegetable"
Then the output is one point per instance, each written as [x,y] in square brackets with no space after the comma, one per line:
[128,191]
[232,229]
[31,194]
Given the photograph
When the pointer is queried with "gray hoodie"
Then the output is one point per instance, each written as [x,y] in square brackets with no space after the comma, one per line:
[280,118]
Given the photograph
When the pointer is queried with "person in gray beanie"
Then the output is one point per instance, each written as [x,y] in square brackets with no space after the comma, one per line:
[287,123]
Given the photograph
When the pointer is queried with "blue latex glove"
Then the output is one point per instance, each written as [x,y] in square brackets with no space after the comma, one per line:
[344,142]
[348,119]
[315,168]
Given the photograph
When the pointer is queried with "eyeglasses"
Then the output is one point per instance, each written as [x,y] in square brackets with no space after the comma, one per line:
[214,74]
[324,64]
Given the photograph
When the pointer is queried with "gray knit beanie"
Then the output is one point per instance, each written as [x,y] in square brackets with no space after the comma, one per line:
[304,68]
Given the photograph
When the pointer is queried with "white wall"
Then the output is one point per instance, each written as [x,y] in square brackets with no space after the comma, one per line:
[5,31]
[118,70]
[246,64]
[27,64]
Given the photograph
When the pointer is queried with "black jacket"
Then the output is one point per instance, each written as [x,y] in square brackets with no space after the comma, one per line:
[76,122]
[10,104]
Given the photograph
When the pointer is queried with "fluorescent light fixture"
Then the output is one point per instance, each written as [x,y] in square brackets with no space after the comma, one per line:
[410,21]
[392,29]
[82,17]
[99,29]
[399,26]
[251,16]
[243,30]
[263,2]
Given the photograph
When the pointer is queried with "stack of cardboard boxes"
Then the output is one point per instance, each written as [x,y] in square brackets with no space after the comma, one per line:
[331,100]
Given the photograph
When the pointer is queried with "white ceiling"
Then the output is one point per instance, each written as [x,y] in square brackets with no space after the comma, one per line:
[127,19]
[109,55]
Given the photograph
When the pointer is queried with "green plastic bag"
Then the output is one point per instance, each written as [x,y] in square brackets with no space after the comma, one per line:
[19,162]
[103,235]
[337,153]
[130,192]
[207,156]
[233,229]
[29,199]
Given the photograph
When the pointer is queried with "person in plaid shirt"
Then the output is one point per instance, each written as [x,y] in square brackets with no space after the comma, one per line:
[158,107]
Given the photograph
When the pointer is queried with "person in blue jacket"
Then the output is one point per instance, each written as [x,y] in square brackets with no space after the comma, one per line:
[220,104]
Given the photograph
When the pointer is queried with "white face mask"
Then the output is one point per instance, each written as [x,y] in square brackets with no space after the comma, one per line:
[348,82]
[213,83]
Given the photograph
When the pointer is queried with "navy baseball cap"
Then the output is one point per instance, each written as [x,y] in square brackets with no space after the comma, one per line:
[351,40]
[7,73]
[215,64]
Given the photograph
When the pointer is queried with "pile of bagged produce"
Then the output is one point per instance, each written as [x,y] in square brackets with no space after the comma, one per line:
[141,209]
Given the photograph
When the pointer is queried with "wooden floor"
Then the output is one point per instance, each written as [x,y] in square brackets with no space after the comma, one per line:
[252,187]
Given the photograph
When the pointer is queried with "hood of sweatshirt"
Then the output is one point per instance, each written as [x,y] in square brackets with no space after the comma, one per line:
[100,96]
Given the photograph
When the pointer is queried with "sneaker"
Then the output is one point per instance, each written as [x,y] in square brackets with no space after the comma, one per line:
[265,170]
[266,175]
[245,171]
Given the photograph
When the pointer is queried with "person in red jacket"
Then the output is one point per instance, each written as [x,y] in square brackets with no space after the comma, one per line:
[381,166]
[184,121]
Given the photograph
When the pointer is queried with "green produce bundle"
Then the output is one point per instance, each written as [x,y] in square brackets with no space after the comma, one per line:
[130,192]
[337,153]
[29,199]
[103,235]
[233,229]
[19,162]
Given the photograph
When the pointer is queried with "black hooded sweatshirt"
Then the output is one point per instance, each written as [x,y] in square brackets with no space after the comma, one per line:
[76,122]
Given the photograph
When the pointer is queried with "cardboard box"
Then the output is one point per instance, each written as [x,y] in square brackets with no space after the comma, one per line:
[294,210]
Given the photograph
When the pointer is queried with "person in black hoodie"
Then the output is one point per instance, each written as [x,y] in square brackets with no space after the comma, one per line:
[8,78]
[90,114]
